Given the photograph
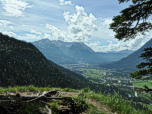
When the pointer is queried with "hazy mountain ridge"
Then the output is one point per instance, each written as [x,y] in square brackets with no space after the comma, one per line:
[51,51]
[61,45]
[67,52]
[122,51]
[126,51]
[74,52]
[131,60]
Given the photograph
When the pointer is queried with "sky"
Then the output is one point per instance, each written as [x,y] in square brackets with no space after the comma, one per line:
[84,21]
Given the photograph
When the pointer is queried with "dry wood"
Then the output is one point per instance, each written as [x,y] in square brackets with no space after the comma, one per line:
[30,99]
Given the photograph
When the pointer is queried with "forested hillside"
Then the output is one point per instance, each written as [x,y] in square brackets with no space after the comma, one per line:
[22,64]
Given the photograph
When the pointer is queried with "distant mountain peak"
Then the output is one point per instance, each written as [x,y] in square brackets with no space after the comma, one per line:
[122,51]
[131,60]
[62,44]
[126,51]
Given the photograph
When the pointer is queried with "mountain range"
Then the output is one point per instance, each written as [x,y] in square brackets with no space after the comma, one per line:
[122,51]
[75,52]
[130,61]
[22,64]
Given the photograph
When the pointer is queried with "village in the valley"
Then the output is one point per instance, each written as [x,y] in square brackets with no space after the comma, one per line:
[110,77]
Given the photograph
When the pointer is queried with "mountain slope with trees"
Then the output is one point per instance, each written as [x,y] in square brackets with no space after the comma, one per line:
[23,64]
[130,61]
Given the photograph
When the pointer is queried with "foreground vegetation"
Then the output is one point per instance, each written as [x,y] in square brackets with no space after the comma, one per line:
[116,103]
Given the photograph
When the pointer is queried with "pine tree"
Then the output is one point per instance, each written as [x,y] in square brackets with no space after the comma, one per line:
[122,26]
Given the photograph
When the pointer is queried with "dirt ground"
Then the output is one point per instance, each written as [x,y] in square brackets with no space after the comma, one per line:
[101,107]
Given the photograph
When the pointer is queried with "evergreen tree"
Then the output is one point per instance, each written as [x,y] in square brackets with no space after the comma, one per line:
[122,26]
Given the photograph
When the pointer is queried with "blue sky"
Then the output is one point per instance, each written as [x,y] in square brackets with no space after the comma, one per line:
[84,21]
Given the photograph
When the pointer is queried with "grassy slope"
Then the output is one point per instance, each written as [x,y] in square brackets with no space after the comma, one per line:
[99,104]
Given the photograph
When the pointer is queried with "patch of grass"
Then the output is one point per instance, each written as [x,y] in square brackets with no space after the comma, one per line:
[115,103]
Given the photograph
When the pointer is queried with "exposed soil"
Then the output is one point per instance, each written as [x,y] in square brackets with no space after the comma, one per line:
[101,107]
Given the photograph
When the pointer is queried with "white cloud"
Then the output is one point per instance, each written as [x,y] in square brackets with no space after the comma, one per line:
[62,2]
[81,26]
[111,47]
[104,35]
[35,32]
[56,33]
[103,29]
[24,25]
[29,37]
[10,34]
[14,7]
[46,35]
[7,24]
[132,44]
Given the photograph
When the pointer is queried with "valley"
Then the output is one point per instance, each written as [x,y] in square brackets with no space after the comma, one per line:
[113,77]
[27,64]
[109,76]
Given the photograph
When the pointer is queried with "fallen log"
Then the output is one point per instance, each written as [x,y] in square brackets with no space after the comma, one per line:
[19,103]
